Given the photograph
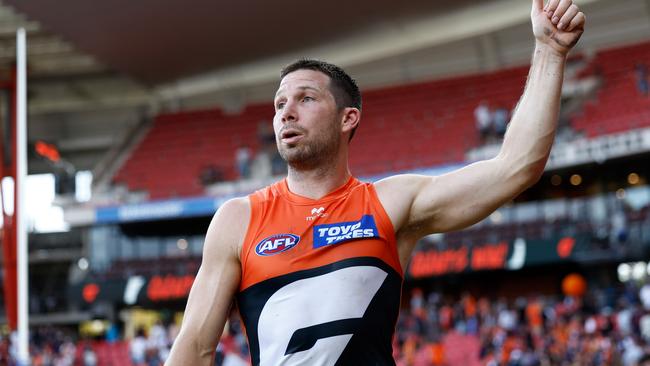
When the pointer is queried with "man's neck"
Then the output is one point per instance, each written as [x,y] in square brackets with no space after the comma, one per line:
[317,183]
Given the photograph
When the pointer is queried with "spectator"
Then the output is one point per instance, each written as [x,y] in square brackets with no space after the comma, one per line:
[210,175]
[483,119]
[507,318]
[172,331]
[500,121]
[261,167]
[158,335]
[113,333]
[618,226]
[644,327]
[632,351]
[642,78]
[89,356]
[265,133]
[644,296]
[278,165]
[243,157]
[624,318]
[138,348]
[68,352]
[158,342]
[533,331]
[434,330]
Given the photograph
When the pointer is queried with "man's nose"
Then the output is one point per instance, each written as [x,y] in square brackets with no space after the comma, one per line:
[289,113]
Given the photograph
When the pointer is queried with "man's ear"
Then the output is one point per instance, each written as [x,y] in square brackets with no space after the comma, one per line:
[350,119]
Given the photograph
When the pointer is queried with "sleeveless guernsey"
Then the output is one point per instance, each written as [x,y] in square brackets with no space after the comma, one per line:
[321,279]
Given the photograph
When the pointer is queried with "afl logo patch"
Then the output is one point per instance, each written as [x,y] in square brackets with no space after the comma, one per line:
[276,244]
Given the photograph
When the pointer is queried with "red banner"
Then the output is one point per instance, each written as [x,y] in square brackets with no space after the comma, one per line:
[169,287]
[503,255]
[435,263]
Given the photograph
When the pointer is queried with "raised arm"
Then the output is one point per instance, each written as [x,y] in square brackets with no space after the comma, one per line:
[214,287]
[420,205]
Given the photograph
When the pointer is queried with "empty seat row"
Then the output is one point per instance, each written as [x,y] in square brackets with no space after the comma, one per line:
[403,127]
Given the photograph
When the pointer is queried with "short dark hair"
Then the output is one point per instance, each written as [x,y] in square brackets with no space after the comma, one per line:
[344,89]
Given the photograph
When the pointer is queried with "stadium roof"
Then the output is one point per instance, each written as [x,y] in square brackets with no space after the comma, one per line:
[157,41]
[98,68]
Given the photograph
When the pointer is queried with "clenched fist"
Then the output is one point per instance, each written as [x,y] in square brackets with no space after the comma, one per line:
[557,25]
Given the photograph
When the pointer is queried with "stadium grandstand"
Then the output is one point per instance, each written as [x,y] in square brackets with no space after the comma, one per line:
[145,117]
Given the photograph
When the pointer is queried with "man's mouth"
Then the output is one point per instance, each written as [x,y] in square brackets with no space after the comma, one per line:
[291,136]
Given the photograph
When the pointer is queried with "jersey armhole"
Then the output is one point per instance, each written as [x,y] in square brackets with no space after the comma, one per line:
[256,202]
[386,225]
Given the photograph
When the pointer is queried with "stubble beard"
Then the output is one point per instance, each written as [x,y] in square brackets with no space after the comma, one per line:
[309,155]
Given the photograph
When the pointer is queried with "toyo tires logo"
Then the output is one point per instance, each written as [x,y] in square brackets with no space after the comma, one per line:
[329,234]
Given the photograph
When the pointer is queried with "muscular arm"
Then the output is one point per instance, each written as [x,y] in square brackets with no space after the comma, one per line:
[214,287]
[419,205]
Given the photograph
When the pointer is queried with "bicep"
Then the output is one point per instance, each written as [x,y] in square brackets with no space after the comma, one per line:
[420,205]
[463,197]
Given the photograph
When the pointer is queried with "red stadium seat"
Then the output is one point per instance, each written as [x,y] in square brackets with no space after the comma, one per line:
[403,127]
[618,105]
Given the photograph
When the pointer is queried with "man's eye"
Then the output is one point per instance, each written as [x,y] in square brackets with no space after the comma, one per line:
[280,105]
[307,99]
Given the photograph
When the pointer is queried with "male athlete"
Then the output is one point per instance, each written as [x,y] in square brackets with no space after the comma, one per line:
[315,261]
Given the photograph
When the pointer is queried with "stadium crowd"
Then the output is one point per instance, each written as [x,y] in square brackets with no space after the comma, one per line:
[49,346]
[607,326]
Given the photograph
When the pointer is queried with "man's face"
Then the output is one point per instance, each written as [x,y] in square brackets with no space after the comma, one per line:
[306,123]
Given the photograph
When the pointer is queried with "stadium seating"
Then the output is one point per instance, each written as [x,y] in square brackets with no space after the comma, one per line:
[461,349]
[428,124]
[112,354]
[435,118]
[618,105]
[403,127]
[167,163]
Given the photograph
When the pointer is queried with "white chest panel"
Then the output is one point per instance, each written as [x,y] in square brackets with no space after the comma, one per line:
[342,294]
